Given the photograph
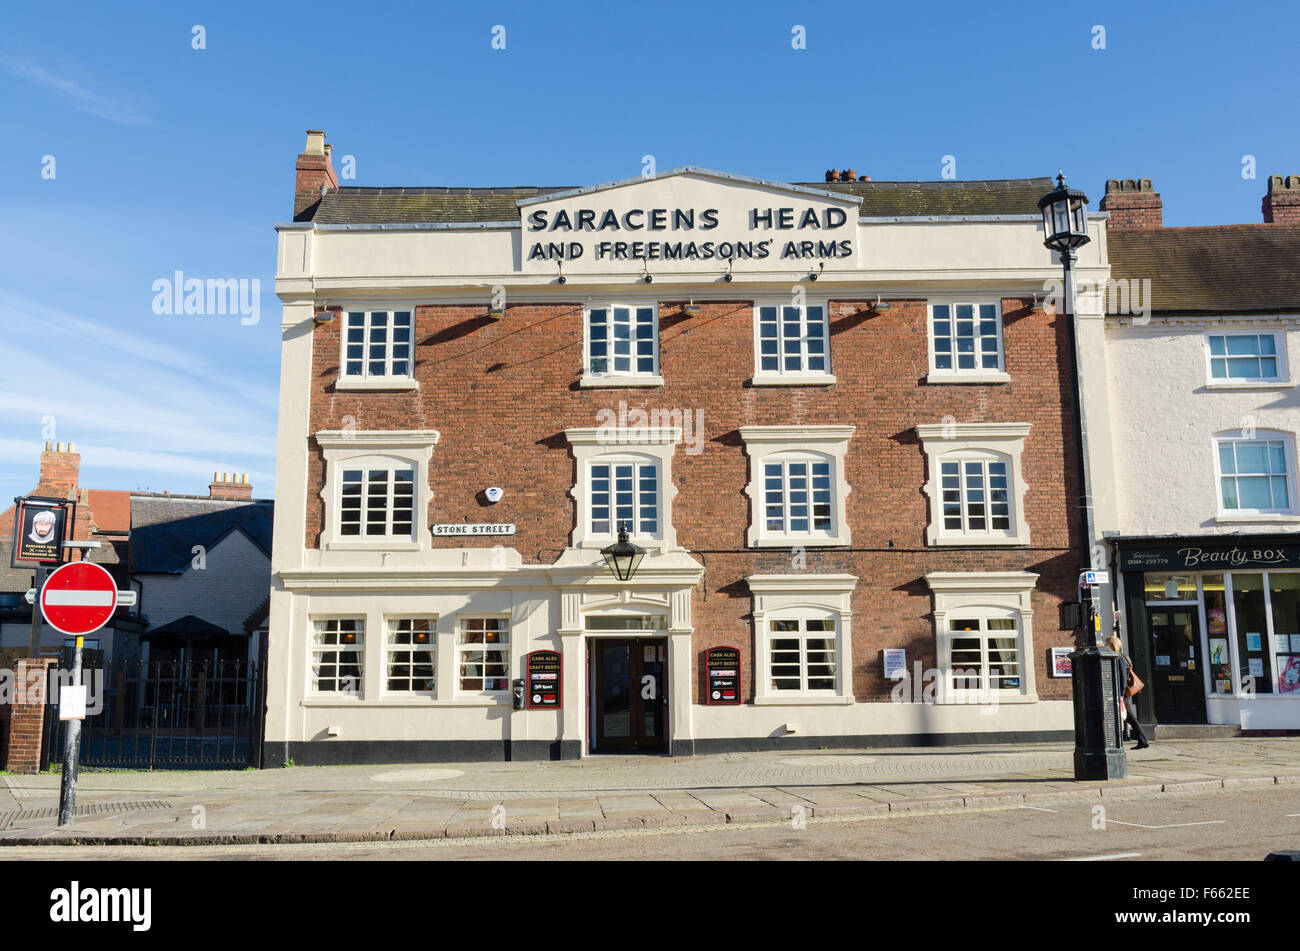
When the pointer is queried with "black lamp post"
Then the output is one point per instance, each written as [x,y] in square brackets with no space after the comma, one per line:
[1096,673]
[623,557]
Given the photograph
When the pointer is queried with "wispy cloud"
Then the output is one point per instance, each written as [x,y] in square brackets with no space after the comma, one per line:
[106,107]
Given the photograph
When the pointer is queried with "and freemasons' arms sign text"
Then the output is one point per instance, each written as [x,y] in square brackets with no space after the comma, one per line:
[687,234]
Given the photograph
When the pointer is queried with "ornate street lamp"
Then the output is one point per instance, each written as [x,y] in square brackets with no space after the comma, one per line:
[1096,673]
[623,557]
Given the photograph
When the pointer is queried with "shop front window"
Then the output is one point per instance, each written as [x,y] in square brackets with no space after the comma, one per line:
[1216,625]
[1255,670]
[1285,594]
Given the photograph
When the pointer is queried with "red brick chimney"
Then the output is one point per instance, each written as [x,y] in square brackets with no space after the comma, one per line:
[1133,205]
[1281,205]
[228,485]
[60,471]
[314,171]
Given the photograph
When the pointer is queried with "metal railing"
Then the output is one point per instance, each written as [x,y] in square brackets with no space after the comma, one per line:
[174,714]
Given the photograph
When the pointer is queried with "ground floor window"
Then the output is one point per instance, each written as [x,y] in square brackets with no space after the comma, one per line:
[337,655]
[409,655]
[984,652]
[483,645]
[802,655]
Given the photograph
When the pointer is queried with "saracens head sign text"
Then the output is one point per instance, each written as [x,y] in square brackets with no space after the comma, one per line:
[686,222]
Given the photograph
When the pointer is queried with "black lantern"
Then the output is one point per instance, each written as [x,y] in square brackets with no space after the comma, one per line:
[1065,217]
[623,557]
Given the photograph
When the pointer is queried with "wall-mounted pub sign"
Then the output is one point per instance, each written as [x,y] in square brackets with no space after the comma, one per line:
[41,526]
[722,669]
[544,686]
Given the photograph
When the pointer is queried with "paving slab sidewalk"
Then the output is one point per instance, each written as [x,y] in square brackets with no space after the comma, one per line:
[375,803]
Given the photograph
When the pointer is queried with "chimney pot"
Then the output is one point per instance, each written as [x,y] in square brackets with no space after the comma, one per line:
[1281,205]
[1133,205]
[849,175]
[832,175]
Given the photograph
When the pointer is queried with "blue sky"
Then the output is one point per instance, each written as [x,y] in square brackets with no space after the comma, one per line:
[167,158]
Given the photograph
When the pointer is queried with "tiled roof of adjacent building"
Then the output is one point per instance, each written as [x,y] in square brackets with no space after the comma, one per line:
[436,205]
[1220,269]
[165,528]
[111,509]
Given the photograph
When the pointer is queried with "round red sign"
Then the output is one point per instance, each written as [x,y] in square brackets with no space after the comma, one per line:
[78,598]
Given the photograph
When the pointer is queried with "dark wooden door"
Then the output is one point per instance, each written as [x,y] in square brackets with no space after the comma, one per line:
[1178,687]
[629,699]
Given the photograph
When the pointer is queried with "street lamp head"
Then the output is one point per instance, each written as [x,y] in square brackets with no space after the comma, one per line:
[1065,217]
[623,557]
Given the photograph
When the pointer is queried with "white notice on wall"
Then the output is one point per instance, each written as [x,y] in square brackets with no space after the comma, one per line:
[72,702]
[895,663]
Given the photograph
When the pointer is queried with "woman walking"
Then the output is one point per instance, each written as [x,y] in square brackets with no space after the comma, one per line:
[1130,714]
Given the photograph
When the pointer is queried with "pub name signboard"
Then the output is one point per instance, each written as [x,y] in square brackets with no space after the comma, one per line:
[40,527]
[1189,556]
[688,219]
[544,680]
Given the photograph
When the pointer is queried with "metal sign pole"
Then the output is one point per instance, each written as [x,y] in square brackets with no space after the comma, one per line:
[71,749]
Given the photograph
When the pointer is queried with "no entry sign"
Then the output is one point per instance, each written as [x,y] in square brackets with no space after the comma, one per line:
[79,598]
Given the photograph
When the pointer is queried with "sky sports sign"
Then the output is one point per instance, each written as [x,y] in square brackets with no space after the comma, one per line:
[648,234]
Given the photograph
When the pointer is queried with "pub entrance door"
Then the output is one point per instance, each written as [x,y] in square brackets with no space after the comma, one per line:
[629,694]
[1177,665]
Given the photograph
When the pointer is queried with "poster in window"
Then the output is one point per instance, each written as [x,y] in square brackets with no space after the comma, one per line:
[1062,666]
[1288,675]
[1217,621]
[722,675]
[545,690]
[40,528]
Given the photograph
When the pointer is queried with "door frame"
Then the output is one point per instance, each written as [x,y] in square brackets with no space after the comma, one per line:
[1195,683]
[596,744]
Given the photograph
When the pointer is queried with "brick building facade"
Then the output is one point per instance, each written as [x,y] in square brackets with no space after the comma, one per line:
[842,429]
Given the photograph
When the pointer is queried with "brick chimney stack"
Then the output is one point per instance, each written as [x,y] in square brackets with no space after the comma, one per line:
[1133,205]
[229,485]
[314,171]
[1281,206]
[60,471]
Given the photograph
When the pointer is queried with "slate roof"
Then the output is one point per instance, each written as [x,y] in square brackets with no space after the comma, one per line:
[165,529]
[437,205]
[1238,269]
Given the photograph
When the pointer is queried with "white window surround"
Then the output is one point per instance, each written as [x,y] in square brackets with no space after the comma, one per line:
[1227,516]
[380,448]
[785,596]
[614,380]
[977,375]
[597,444]
[829,442]
[1281,381]
[779,377]
[365,381]
[948,441]
[958,591]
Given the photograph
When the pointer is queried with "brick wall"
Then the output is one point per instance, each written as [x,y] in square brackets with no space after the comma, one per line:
[25,720]
[1134,205]
[501,393]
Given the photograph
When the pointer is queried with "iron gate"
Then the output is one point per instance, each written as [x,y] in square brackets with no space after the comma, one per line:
[167,714]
